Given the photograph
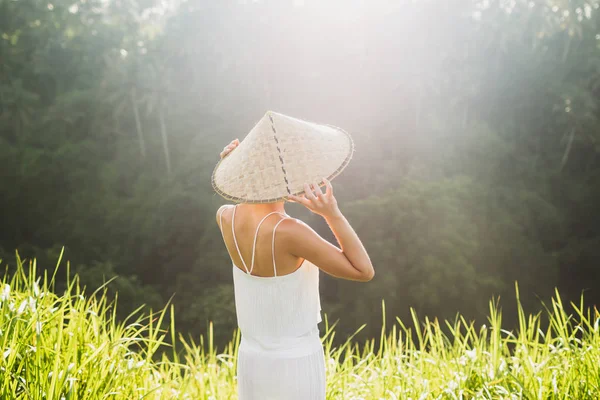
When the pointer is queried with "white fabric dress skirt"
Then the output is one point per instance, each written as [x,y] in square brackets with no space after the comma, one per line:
[295,371]
[274,362]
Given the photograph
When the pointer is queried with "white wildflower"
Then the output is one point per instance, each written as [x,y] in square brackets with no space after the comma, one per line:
[5,292]
[472,354]
[491,372]
[22,306]
[452,385]
[6,353]
[502,366]
[32,304]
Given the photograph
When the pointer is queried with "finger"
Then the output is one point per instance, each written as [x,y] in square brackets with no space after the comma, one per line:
[236,141]
[227,149]
[329,188]
[314,190]
[309,193]
[300,199]
[317,189]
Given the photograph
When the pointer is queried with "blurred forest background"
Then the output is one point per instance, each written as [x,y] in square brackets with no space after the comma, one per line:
[476,125]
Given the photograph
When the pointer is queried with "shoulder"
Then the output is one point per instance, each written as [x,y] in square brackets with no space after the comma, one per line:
[221,211]
[298,238]
[294,229]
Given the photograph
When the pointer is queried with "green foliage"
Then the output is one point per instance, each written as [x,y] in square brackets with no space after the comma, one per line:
[478,152]
[71,346]
[432,222]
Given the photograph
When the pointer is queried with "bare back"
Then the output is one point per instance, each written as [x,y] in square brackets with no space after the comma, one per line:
[263,238]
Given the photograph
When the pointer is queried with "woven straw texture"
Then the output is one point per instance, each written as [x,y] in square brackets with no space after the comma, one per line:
[278,156]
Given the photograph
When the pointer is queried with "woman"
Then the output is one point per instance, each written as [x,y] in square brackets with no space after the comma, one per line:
[276,276]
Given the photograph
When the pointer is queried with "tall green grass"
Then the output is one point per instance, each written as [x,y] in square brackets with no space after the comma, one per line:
[70,346]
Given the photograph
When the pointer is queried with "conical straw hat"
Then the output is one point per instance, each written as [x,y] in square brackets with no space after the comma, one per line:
[278,156]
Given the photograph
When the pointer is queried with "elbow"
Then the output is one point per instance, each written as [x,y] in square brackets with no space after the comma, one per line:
[368,276]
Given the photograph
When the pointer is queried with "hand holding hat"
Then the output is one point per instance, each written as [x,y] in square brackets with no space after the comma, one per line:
[229,148]
[323,204]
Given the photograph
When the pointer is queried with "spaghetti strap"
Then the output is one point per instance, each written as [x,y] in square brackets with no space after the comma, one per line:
[273,244]
[256,236]
[221,228]
[235,240]
[221,222]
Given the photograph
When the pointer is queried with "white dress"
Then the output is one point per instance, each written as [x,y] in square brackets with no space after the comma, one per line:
[280,355]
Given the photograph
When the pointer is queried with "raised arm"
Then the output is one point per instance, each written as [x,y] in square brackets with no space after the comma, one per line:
[351,261]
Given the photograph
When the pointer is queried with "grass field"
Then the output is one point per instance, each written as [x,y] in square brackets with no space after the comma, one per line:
[69,346]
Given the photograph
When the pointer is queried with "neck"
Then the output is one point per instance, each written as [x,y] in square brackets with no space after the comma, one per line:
[263,209]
